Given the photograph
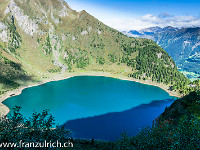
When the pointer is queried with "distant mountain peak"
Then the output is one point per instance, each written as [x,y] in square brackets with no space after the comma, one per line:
[149,32]
[183,44]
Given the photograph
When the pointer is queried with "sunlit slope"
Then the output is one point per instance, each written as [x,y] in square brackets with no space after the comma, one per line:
[48,37]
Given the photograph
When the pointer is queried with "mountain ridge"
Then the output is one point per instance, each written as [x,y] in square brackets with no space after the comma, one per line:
[47,42]
[186,41]
[149,32]
[181,44]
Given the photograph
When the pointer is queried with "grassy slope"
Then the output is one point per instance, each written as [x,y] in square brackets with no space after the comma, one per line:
[84,44]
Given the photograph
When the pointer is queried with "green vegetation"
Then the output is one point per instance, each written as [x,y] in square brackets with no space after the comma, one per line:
[112,58]
[47,47]
[192,86]
[40,127]
[11,63]
[188,105]
[165,135]
[129,49]
[82,62]
[37,128]
[90,45]
[157,68]
[39,40]
[153,63]
[177,128]
[101,60]
[69,60]
[173,43]
[10,72]
[15,38]
[54,70]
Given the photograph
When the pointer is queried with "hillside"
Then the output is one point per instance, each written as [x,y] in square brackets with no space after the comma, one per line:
[178,127]
[44,39]
[187,106]
[181,44]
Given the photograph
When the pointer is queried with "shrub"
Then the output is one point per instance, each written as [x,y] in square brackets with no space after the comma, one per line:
[38,128]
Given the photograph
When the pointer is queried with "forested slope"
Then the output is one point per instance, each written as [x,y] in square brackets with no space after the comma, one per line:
[48,38]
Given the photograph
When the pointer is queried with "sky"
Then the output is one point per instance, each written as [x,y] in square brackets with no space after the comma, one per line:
[125,15]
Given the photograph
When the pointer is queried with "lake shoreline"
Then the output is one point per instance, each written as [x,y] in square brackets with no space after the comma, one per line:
[4,110]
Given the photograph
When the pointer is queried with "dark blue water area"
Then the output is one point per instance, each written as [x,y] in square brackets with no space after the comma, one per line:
[110,126]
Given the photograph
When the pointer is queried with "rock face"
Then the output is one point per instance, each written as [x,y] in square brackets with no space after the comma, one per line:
[26,24]
[3,32]
[32,22]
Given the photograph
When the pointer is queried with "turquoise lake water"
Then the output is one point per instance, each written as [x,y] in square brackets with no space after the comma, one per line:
[85,96]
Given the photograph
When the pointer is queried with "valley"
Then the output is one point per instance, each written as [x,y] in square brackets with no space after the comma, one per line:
[64,41]
[96,80]
[181,44]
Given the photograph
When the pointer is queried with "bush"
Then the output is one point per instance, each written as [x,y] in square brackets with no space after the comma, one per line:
[177,128]
[38,128]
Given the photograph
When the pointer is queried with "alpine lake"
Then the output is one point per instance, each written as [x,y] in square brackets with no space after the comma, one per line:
[95,106]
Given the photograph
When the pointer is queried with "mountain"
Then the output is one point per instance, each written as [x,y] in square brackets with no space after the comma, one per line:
[183,46]
[44,39]
[135,32]
[149,32]
[169,29]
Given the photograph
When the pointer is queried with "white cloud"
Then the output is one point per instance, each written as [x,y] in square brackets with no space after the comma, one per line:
[149,20]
